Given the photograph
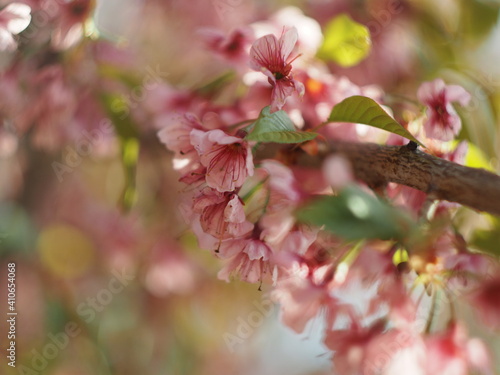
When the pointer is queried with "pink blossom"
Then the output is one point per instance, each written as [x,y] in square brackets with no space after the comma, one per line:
[72,16]
[228,159]
[249,258]
[443,122]
[221,214]
[232,47]
[14,18]
[453,353]
[176,131]
[303,292]
[357,348]
[486,299]
[269,55]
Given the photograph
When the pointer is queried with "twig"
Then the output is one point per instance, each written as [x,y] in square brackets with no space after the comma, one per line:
[441,179]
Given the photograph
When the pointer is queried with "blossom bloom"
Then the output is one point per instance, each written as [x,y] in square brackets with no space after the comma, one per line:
[443,122]
[232,47]
[221,214]
[14,18]
[269,55]
[228,159]
[249,258]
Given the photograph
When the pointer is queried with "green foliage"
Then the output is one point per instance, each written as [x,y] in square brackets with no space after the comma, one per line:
[118,111]
[276,127]
[477,18]
[346,42]
[17,232]
[355,215]
[363,110]
[488,241]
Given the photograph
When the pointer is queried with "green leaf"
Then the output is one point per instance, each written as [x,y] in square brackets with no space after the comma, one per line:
[276,127]
[346,42]
[355,215]
[17,231]
[363,110]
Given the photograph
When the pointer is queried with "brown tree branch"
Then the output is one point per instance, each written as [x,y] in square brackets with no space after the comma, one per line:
[440,179]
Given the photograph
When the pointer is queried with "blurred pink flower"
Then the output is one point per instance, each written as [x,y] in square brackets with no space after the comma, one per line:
[443,122]
[269,55]
[14,18]
[232,47]
[71,18]
[228,159]
[486,300]
[249,258]
[356,348]
[453,353]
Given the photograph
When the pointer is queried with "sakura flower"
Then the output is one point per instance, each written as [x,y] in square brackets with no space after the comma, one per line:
[443,122]
[221,214]
[486,300]
[304,291]
[232,47]
[249,258]
[453,353]
[72,16]
[269,55]
[228,159]
[175,133]
[358,348]
[14,18]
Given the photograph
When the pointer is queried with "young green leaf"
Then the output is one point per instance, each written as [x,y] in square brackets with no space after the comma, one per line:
[276,127]
[346,42]
[355,215]
[363,110]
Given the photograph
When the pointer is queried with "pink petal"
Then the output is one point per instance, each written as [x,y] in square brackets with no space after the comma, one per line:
[455,93]
[281,91]
[428,90]
[234,212]
[265,52]
[287,42]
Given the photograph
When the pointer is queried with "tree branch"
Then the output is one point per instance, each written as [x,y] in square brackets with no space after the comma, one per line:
[440,179]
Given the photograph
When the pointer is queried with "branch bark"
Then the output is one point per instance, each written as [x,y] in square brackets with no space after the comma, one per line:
[440,179]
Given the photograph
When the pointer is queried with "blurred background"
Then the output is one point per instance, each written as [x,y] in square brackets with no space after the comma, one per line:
[109,284]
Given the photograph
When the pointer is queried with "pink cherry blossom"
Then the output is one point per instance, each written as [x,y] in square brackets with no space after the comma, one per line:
[71,18]
[356,348]
[228,159]
[443,122]
[232,47]
[221,214]
[176,131]
[453,353]
[486,299]
[14,18]
[248,258]
[269,55]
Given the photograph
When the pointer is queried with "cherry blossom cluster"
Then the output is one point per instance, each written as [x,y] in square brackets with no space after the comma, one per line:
[240,199]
